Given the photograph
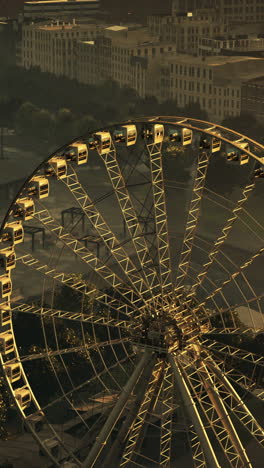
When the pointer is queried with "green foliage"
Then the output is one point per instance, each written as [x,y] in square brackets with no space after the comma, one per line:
[4,405]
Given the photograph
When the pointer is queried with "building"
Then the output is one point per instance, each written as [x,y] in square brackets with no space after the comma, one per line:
[52,47]
[179,6]
[252,92]
[215,82]
[241,11]
[60,9]
[185,30]
[232,45]
[125,55]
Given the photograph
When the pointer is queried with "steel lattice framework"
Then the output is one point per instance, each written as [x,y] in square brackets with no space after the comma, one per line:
[158,338]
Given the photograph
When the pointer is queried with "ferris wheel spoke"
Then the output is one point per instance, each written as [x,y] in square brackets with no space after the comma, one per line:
[106,234]
[233,352]
[224,233]
[240,289]
[116,412]
[95,319]
[160,215]
[130,217]
[83,384]
[74,283]
[193,218]
[135,434]
[86,256]
[231,277]
[74,349]
[191,409]
[167,409]
[246,383]
[201,382]
[236,406]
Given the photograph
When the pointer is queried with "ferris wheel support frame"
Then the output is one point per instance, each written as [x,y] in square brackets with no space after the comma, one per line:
[142,292]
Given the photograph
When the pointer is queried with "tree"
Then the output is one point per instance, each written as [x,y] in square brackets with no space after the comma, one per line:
[24,120]
[194,110]
[246,124]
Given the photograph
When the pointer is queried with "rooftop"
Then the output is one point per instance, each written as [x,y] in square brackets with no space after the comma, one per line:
[59,1]
[116,28]
[212,60]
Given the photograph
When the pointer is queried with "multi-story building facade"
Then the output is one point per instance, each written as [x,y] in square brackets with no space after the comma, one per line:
[59,9]
[229,10]
[52,47]
[214,82]
[121,54]
[228,45]
[253,97]
[239,11]
[185,30]
[178,6]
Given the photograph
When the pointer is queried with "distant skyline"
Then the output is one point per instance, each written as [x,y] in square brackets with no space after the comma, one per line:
[11,8]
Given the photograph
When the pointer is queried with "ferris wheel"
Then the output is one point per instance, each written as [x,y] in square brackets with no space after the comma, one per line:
[131,336]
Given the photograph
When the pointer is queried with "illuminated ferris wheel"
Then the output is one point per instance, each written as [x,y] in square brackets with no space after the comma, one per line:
[131,335]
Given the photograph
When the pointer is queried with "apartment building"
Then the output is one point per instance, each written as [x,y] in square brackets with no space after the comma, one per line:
[52,47]
[59,9]
[215,82]
[127,56]
[185,30]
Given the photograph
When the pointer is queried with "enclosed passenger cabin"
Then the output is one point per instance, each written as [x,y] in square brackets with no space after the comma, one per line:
[38,187]
[5,315]
[5,286]
[36,421]
[76,152]
[126,134]
[24,208]
[52,446]
[7,259]
[13,232]
[259,172]
[183,136]
[6,343]
[103,142]
[23,397]
[237,155]
[13,372]
[56,167]
[212,143]
[153,132]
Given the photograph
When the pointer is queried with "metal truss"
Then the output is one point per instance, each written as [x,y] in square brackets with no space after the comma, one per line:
[115,413]
[74,283]
[103,230]
[154,349]
[167,410]
[135,432]
[94,318]
[232,276]
[87,256]
[236,406]
[192,219]
[232,351]
[160,213]
[213,409]
[131,219]
[224,234]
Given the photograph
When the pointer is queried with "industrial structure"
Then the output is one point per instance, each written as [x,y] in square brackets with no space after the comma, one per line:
[141,344]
